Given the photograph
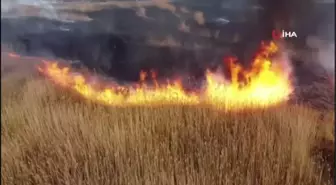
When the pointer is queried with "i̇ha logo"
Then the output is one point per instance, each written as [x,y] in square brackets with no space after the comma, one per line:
[276,34]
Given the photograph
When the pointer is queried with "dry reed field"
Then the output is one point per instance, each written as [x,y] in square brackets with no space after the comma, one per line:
[49,136]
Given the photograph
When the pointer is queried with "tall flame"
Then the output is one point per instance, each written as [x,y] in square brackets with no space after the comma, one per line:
[266,83]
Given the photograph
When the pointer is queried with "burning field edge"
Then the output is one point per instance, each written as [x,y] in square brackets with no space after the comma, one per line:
[48,136]
[52,136]
[266,83]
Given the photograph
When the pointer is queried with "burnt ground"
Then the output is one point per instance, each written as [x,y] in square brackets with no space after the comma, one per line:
[122,38]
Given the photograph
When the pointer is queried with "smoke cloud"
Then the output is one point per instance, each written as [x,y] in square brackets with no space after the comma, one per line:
[325,53]
[323,42]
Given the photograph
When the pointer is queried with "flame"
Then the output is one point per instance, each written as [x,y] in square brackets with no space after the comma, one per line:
[266,83]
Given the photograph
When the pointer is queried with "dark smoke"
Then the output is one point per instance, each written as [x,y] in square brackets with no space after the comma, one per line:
[312,52]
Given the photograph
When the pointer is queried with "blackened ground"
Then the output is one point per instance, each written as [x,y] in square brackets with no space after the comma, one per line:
[115,55]
[121,55]
[115,42]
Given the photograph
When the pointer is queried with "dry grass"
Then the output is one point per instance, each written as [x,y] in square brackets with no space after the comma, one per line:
[48,137]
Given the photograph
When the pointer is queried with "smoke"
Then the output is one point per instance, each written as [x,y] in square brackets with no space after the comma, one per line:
[27,7]
[283,62]
[313,21]
[327,58]
[325,53]
[323,42]
[15,66]
[38,8]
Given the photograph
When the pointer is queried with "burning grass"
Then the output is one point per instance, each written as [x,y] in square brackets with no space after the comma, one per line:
[266,83]
[48,137]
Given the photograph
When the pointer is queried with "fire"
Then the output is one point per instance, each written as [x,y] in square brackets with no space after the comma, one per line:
[266,83]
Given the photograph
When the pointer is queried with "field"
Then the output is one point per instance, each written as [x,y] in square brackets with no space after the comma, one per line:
[50,136]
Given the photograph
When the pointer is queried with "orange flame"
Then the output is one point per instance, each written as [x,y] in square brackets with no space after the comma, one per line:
[265,84]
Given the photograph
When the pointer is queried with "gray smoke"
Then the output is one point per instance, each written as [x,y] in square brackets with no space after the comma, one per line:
[38,8]
[323,42]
